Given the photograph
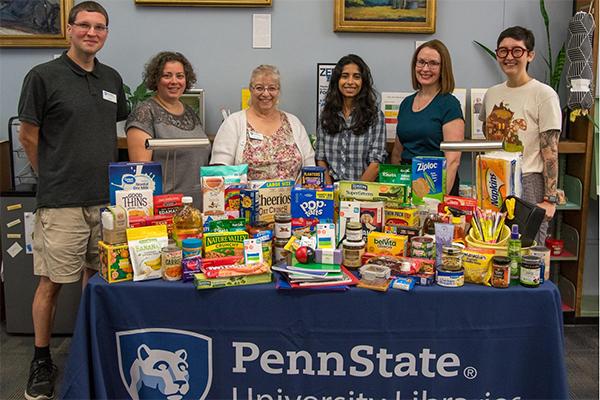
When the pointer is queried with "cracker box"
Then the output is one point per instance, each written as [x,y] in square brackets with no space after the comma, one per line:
[167,204]
[386,244]
[114,262]
[310,207]
[428,178]
[134,176]
[137,203]
[263,199]
[401,217]
[222,244]
[394,195]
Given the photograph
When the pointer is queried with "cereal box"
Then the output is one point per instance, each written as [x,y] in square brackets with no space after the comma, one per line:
[222,244]
[265,199]
[134,176]
[428,178]
[137,203]
[310,207]
[114,262]
[393,194]
[386,244]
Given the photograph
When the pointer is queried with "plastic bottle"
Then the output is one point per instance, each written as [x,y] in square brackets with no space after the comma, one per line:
[187,223]
[514,254]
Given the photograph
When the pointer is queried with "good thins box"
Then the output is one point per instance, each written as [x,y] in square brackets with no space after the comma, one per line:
[114,262]
[310,207]
[264,199]
[428,178]
[137,203]
[134,176]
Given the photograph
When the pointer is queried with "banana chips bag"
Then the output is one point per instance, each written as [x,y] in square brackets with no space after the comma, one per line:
[145,244]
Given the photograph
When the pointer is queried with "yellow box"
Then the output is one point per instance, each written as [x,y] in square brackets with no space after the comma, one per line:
[401,217]
[386,244]
[115,265]
[223,244]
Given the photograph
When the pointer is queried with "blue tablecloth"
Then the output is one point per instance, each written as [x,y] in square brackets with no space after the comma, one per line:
[160,339]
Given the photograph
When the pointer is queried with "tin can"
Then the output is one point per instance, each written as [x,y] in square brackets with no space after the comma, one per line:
[544,254]
[530,271]
[170,257]
[446,278]
[283,226]
[500,272]
[421,243]
[352,253]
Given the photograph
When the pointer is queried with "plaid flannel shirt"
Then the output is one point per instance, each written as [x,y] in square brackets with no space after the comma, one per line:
[347,154]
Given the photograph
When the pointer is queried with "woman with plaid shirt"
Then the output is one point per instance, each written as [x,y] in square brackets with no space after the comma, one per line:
[351,135]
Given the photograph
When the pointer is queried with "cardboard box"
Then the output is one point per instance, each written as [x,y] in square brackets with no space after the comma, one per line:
[394,195]
[262,200]
[386,244]
[137,203]
[115,265]
[134,176]
[428,179]
[310,207]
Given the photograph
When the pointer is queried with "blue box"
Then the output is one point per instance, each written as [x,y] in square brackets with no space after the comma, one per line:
[311,207]
[134,176]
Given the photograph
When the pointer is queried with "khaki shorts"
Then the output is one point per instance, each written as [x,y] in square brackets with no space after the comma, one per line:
[65,240]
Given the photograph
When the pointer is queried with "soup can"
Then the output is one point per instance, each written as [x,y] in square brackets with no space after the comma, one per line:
[171,257]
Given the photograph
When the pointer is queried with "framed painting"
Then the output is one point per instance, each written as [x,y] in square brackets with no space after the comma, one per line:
[404,16]
[211,3]
[34,23]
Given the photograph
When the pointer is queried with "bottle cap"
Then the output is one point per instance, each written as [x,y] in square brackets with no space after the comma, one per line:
[514,231]
[187,199]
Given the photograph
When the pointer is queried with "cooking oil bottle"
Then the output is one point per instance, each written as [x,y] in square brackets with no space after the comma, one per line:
[187,223]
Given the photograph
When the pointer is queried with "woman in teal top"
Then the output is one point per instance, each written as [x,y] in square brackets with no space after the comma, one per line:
[432,114]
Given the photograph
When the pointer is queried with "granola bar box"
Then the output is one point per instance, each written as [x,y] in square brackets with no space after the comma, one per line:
[428,178]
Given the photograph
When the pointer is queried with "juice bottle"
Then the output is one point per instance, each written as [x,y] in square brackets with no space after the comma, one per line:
[514,254]
[187,223]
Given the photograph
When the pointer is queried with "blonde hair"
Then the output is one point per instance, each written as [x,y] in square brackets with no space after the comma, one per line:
[265,69]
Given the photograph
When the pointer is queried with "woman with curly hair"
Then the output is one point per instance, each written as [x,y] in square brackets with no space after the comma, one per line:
[164,116]
[351,134]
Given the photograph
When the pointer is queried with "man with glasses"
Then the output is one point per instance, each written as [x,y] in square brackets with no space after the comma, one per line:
[68,111]
[526,115]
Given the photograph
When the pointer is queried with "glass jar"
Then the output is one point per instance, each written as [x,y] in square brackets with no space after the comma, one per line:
[352,253]
[354,231]
[452,258]
[530,271]
[283,226]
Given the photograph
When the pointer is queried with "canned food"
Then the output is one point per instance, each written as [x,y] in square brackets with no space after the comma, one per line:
[283,226]
[446,278]
[421,243]
[280,253]
[171,263]
[452,258]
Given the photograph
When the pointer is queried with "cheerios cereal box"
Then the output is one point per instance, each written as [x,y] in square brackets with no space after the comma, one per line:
[428,178]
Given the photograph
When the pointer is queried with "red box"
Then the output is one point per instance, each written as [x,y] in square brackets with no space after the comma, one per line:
[556,246]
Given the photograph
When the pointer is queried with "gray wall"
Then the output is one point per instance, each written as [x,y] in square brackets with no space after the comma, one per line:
[218,42]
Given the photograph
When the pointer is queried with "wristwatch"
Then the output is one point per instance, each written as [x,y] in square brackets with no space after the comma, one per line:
[551,199]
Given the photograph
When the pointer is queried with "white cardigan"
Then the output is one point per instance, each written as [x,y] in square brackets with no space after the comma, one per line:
[229,144]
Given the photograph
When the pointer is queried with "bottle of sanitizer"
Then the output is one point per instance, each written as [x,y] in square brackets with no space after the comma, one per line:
[514,254]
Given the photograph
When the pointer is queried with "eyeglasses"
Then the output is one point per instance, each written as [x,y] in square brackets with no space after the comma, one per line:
[517,52]
[431,64]
[85,27]
[270,89]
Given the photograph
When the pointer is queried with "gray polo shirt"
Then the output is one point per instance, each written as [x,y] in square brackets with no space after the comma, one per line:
[77,112]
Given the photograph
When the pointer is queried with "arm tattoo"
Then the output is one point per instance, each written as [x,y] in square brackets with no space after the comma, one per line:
[549,150]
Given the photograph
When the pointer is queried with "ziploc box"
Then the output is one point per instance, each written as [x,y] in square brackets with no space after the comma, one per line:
[311,207]
[134,176]
[428,178]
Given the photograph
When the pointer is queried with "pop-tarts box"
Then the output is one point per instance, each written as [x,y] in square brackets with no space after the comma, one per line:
[428,178]
[134,176]
[311,207]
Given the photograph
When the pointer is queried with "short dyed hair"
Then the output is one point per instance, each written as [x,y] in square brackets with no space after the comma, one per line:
[446,75]
[154,69]
[518,33]
[266,69]
[89,6]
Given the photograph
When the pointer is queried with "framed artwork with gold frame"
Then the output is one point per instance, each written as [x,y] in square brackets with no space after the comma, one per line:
[207,3]
[36,23]
[404,16]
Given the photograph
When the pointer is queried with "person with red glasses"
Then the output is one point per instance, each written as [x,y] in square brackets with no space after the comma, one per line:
[526,115]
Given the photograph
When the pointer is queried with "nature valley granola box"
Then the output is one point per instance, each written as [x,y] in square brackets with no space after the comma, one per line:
[386,244]
[223,244]
[428,178]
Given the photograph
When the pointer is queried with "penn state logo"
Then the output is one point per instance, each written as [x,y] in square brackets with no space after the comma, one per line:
[162,363]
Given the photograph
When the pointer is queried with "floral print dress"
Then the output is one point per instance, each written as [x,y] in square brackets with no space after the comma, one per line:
[273,157]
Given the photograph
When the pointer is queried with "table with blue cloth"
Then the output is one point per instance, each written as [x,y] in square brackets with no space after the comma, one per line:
[158,339]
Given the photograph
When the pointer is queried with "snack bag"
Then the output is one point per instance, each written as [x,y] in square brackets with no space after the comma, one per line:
[428,178]
[218,187]
[478,265]
[145,244]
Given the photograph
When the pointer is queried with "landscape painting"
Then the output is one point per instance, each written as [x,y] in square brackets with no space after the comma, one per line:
[34,23]
[415,16]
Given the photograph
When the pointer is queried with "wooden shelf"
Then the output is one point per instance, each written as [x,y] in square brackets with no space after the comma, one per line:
[571,147]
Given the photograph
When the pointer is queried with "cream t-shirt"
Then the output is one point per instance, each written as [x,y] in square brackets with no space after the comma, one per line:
[518,116]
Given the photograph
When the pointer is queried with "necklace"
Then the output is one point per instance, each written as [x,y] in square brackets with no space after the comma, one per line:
[171,108]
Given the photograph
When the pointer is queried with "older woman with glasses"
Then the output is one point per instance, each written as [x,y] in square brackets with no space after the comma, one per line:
[432,114]
[534,120]
[273,143]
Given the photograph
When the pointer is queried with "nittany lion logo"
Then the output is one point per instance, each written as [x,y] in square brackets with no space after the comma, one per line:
[162,363]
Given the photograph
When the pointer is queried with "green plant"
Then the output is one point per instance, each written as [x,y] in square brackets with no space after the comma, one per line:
[555,66]
[140,94]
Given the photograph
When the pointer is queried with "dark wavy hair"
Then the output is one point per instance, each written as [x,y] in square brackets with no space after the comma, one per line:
[365,104]
[154,69]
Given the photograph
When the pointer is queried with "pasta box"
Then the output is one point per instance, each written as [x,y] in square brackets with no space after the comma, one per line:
[134,176]
[310,207]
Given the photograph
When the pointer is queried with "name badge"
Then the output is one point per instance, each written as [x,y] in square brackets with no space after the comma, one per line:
[109,96]
[255,135]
